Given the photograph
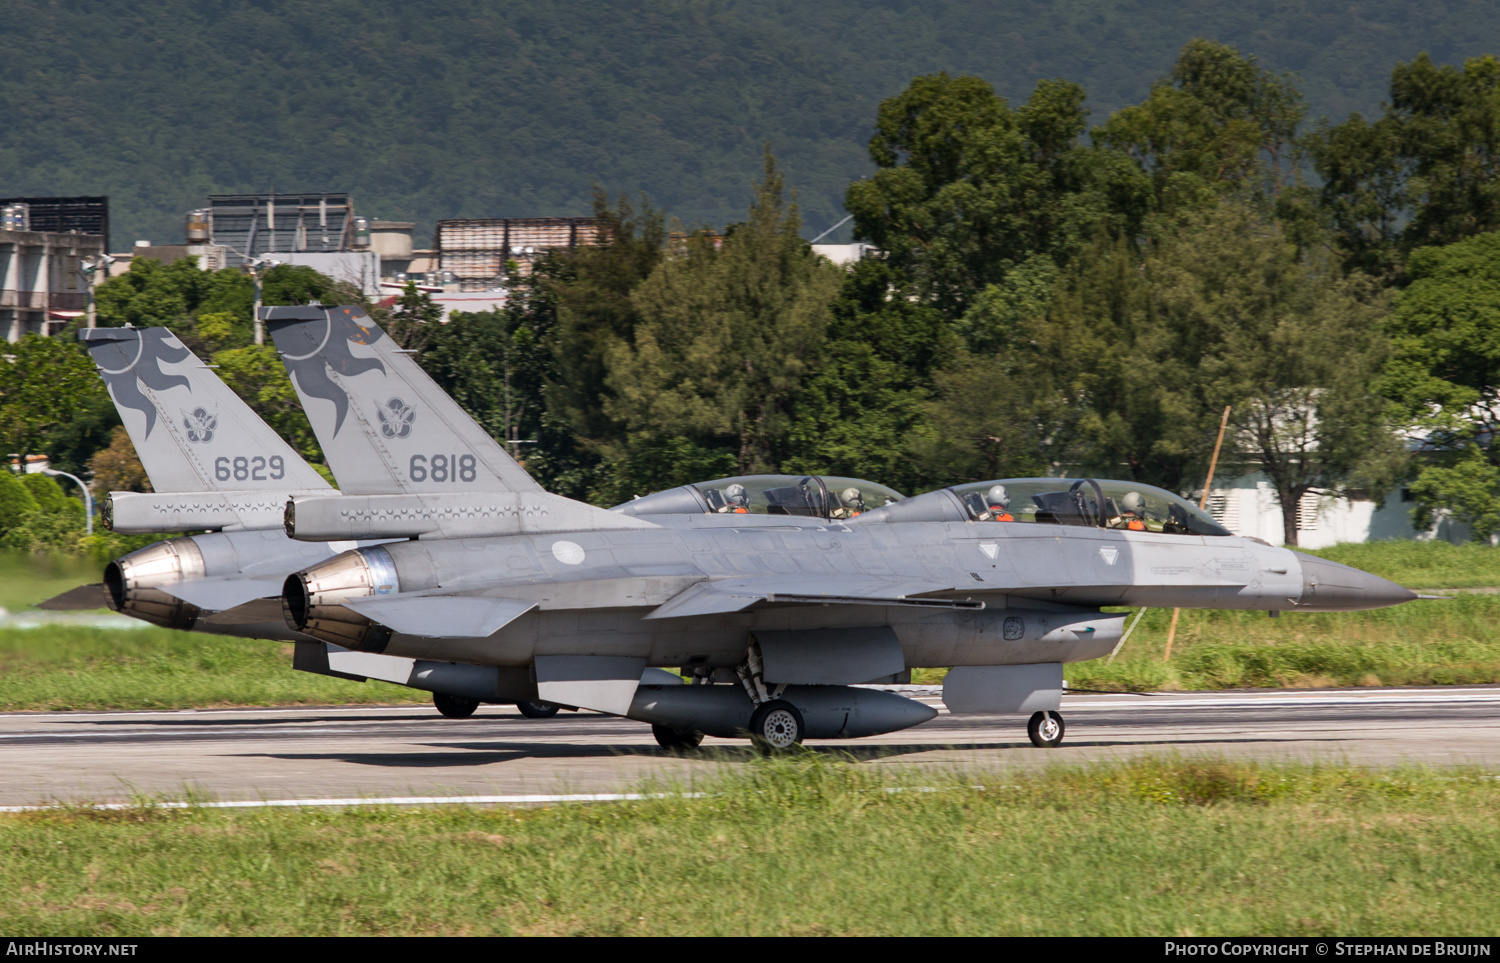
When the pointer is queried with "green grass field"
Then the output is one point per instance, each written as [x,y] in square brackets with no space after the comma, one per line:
[807,845]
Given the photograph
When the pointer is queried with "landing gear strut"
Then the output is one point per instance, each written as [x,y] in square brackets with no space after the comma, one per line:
[1045,729]
[454,707]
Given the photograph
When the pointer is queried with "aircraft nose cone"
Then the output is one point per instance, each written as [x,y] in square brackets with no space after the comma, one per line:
[1331,587]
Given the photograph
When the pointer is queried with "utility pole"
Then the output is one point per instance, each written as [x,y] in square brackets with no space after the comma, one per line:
[1202,501]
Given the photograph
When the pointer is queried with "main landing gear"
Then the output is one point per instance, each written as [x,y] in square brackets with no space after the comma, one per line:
[457,707]
[1046,729]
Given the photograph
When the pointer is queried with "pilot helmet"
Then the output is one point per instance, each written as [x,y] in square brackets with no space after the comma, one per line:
[1133,503]
[852,498]
[736,494]
[998,497]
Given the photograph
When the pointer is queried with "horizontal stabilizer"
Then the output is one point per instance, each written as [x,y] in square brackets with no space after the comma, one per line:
[738,594]
[253,612]
[221,594]
[442,617]
[603,683]
[80,599]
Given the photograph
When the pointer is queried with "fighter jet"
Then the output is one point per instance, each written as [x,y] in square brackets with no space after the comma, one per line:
[778,617]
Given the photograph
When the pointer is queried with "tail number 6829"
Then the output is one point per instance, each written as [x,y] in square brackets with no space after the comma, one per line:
[251,468]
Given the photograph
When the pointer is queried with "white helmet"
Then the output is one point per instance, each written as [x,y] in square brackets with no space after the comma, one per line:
[1134,503]
[736,494]
[851,497]
[998,496]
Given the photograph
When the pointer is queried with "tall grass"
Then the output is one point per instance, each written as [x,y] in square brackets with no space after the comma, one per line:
[809,845]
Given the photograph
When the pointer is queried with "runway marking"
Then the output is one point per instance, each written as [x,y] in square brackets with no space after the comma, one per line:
[532,798]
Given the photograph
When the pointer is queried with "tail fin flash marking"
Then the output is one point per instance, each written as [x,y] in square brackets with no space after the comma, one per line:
[310,354]
[412,436]
[211,441]
[127,363]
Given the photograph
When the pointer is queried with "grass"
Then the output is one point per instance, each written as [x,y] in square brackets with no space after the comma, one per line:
[67,667]
[1422,564]
[810,845]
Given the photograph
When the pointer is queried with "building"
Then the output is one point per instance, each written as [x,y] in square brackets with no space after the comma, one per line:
[45,275]
[250,226]
[474,252]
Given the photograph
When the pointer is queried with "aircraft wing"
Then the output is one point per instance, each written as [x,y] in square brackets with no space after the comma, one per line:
[737,594]
[442,616]
[222,594]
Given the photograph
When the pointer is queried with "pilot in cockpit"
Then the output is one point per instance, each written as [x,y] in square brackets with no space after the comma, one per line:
[851,504]
[736,502]
[998,501]
[1132,515]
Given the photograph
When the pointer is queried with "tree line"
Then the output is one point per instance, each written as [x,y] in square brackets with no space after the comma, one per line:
[1048,297]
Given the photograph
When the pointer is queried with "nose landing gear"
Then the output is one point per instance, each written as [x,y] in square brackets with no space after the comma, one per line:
[1046,729]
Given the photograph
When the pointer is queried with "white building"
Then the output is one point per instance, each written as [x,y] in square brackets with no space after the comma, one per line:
[1248,506]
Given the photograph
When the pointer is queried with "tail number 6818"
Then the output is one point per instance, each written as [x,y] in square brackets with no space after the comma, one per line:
[456,469]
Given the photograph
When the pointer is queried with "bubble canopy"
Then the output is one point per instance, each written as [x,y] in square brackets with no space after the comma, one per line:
[807,496]
[1088,502]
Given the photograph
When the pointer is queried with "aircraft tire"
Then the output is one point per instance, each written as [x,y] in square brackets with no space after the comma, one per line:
[681,739]
[777,726]
[1046,730]
[454,707]
[537,710]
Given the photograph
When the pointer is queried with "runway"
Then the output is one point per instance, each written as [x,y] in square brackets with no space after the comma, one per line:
[364,752]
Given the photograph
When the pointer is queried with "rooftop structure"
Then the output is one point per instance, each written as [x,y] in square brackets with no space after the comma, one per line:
[252,225]
[475,250]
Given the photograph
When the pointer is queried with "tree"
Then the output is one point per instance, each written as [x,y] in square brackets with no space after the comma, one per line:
[1292,344]
[256,374]
[1426,173]
[1219,124]
[967,188]
[118,468]
[725,336]
[1443,377]
[861,405]
[44,384]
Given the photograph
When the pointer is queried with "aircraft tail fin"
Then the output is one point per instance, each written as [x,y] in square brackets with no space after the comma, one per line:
[192,433]
[384,425]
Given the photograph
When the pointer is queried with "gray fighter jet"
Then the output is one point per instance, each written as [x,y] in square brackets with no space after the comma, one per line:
[778,617]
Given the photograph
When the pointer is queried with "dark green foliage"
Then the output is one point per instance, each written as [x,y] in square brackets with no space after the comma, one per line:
[44,384]
[472,109]
[16,501]
[1427,172]
[1444,376]
[49,495]
[1221,124]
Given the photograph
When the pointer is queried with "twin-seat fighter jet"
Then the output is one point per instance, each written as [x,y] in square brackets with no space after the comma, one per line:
[778,616]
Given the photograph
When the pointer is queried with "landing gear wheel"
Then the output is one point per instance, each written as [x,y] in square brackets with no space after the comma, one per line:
[1045,729]
[454,707]
[776,726]
[537,710]
[669,738]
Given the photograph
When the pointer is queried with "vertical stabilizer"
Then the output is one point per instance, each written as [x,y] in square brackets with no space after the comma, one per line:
[193,434]
[384,425]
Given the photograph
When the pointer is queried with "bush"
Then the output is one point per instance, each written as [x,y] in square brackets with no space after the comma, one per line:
[15,501]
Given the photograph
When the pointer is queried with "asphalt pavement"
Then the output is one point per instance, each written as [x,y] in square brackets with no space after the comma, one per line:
[381,752]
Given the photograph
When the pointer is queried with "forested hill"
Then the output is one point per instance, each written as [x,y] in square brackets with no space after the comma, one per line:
[470,108]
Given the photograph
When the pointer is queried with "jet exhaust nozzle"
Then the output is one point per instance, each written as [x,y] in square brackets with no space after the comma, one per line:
[133,583]
[312,600]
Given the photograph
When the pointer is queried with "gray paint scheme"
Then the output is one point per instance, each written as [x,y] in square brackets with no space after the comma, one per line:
[377,414]
[192,433]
